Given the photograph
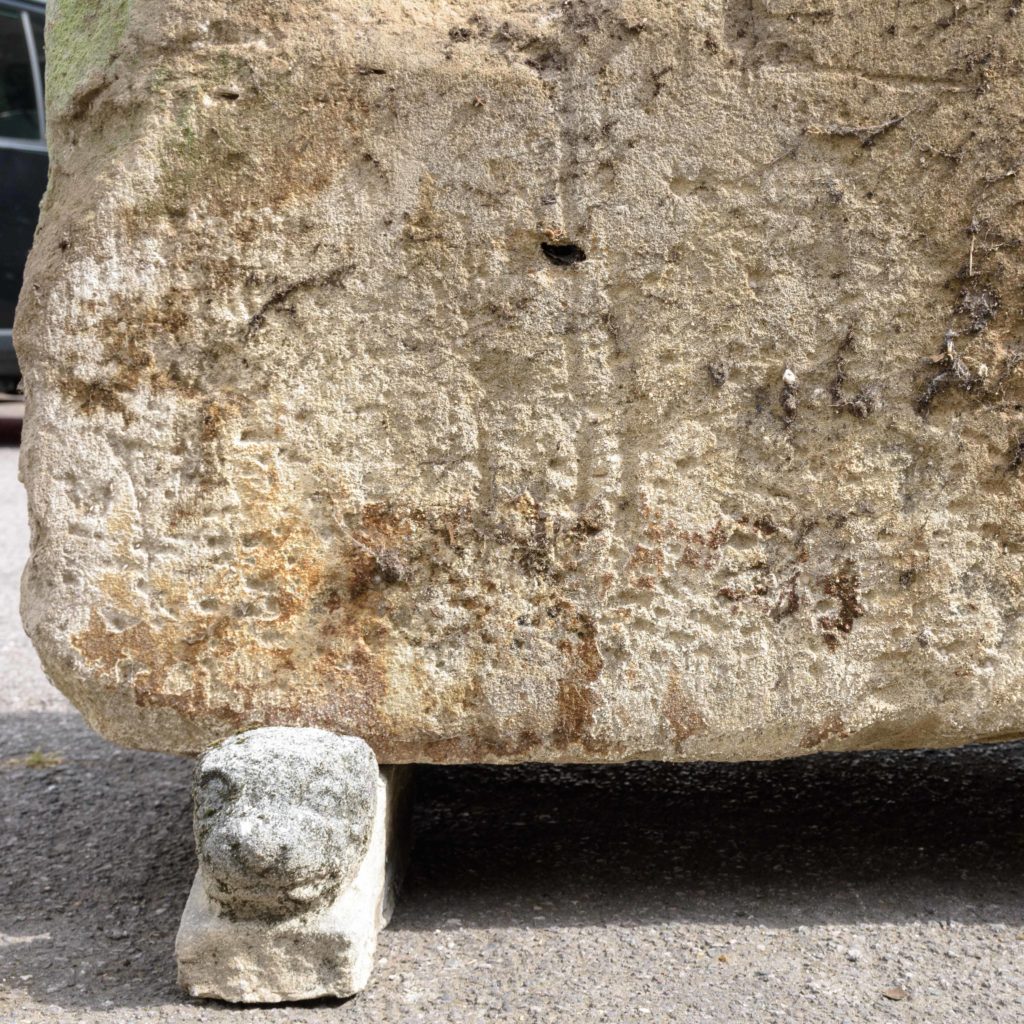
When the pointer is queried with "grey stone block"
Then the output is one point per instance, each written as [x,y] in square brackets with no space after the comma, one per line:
[292,833]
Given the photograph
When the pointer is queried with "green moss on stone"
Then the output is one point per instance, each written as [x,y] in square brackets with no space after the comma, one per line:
[81,36]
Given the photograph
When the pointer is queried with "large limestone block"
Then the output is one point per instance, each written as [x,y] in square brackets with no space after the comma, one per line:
[546,380]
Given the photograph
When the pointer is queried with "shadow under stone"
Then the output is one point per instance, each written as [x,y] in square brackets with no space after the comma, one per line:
[96,854]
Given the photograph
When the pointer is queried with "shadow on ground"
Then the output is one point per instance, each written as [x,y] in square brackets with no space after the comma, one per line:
[96,852]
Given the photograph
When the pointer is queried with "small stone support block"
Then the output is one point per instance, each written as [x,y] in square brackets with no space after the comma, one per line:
[297,833]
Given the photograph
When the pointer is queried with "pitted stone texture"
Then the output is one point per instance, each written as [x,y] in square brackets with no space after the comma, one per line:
[299,837]
[331,423]
[282,819]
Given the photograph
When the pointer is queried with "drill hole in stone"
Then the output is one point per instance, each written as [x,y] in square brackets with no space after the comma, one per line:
[563,254]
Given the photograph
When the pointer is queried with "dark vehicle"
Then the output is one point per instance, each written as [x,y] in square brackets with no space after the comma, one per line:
[23,161]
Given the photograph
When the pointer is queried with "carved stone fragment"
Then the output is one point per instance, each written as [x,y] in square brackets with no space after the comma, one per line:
[292,831]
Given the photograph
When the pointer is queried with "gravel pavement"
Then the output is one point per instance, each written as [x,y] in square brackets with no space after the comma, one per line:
[865,887]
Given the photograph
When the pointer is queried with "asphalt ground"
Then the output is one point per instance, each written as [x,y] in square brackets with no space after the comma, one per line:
[864,887]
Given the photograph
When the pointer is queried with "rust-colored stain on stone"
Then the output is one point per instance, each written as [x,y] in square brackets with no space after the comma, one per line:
[829,729]
[577,689]
[332,609]
[681,711]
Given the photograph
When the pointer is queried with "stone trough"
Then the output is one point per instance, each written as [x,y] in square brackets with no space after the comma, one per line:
[563,381]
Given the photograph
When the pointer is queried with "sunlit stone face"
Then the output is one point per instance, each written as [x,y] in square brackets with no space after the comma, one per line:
[534,381]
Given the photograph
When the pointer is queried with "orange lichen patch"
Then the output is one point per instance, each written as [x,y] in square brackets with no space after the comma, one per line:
[217,415]
[355,679]
[300,625]
[103,649]
[295,625]
[287,631]
[147,656]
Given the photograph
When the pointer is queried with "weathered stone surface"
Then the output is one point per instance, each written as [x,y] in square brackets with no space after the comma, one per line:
[282,819]
[331,423]
[292,831]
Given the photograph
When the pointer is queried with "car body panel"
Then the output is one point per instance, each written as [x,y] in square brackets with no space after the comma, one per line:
[23,163]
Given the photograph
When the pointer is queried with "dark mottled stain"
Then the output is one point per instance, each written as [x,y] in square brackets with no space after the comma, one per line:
[788,399]
[788,602]
[684,717]
[128,336]
[863,402]
[91,396]
[1016,459]
[843,586]
[576,690]
[831,727]
[701,547]
[949,372]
